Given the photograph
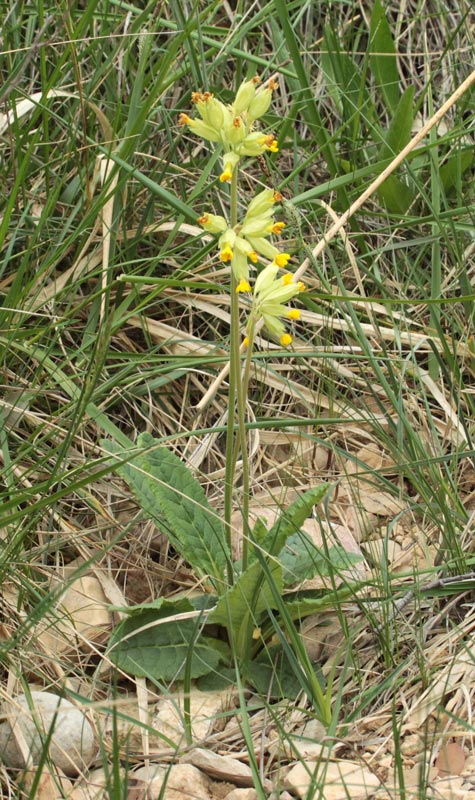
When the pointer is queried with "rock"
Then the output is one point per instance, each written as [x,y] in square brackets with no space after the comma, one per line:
[205,708]
[335,780]
[242,794]
[94,787]
[72,745]
[222,768]
[177,782]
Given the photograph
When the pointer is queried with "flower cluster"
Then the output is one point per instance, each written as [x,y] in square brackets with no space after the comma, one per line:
[232,126]
[271,293]
[249,240]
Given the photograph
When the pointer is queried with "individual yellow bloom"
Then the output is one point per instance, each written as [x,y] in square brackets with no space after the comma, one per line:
[226,254]
[243,286]
[294,313]
[282,259]
[287,278]
[285,339]
[278,227]
[271,144]
[301,286]
[257,226]
[229,163]
[245,341]
[241,244]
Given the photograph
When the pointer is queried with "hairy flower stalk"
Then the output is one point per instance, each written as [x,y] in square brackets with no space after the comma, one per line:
[243,243]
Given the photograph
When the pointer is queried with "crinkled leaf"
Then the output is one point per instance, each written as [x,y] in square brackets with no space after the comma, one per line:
[303,604]
[301,559]
[383,57]
[272,675]
[168,492]
[291,520]
[219,679]
[247,599]
[154,644]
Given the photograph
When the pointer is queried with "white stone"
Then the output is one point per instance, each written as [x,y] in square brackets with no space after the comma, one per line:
[205,708]
[72,745]
[181,781]
[335,780]
[242,794]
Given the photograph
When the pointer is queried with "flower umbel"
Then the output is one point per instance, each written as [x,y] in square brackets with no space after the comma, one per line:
[233,125]
[271,293]
[250,238]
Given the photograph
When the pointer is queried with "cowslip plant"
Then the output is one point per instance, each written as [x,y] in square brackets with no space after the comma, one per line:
[249,602]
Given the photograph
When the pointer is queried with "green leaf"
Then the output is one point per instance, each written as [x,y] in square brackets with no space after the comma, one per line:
[396,195]
[383,57]
[154,644]
[301,559]
[454,168]
[291,520]
[247,599]
[217,680]
[272,675]
[303,604]
[168,492]
[343,78]
[399,131]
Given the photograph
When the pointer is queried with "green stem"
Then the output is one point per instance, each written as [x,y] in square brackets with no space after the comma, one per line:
[234,378]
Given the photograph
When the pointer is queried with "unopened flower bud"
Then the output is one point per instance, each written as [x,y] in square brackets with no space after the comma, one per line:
[213,223]
[261,102]
[244,96]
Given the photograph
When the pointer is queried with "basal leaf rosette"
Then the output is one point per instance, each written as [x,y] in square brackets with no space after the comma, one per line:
[249,240]
[233,125]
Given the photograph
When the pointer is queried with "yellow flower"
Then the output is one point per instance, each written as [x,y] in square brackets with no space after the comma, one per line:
[226,254]
[243,286]
[271,293]
[230,160]
[282,259]
[294,313]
